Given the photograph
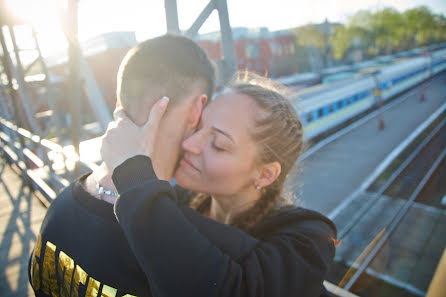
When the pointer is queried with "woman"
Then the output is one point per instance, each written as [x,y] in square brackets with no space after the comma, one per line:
[239,237]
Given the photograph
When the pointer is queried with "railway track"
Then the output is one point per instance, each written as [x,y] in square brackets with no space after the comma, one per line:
[392,232]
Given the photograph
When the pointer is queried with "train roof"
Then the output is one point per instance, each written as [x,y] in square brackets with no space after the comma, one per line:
[321,88]
[298,78]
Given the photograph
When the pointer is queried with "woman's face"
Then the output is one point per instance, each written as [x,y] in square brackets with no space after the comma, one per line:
[220,157]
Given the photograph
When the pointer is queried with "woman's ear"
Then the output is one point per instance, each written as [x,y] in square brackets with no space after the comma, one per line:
[268,174]
[197,109]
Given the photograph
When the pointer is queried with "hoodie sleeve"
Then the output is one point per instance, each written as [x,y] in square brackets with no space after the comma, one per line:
[186,254]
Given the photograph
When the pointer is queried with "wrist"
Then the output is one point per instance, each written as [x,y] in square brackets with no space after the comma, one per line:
[133,171]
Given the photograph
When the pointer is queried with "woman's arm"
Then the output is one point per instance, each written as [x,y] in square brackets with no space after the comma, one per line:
[186,254]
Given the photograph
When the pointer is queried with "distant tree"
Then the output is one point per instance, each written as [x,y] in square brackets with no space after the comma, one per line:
[384,31]
[388,30]
[317,39]
[309,36]
[440,32]
[341,41]
[351,37]
[362,19]
[420,26]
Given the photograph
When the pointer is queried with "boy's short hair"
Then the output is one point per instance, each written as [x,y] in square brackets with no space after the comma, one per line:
[169,65]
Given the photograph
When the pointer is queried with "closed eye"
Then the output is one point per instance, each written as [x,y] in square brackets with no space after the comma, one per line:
[217,148]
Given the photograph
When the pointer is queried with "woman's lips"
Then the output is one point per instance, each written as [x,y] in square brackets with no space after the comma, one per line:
[188,164]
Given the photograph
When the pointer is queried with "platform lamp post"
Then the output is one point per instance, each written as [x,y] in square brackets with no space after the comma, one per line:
[378,98]
[423,87]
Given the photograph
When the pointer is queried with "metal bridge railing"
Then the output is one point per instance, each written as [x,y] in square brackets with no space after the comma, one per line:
[43,164]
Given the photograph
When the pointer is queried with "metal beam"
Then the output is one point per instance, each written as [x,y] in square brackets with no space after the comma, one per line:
[74,82]
[19,75]
[94,94]
[228,65]
[7,65]
[193,30]
[88,82]
[49,95]
[227,42]
[171,9]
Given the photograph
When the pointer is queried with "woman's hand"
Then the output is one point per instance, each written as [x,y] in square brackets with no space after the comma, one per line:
[124,139]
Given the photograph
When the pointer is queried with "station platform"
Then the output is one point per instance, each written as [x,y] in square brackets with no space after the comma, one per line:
[327,177]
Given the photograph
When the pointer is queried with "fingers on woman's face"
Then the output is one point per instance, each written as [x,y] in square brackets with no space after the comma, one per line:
[119,113]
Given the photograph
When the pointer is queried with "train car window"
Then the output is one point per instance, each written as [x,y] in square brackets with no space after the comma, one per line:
[347,101]
[326,110]
[309,117]
[320,112]
[331,107]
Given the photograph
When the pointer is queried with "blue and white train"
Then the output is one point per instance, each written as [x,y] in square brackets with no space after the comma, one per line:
[325,107]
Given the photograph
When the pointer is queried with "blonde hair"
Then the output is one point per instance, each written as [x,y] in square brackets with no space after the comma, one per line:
[279,135]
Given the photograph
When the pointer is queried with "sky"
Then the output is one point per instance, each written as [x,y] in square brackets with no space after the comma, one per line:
[147,17]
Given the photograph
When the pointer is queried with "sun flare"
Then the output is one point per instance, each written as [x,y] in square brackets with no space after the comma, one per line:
[42,14]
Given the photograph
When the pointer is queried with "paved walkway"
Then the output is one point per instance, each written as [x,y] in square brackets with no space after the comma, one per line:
[20,217]
[331,174]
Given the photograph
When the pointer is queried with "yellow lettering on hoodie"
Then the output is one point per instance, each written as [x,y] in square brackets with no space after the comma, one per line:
[35,268]
[49,277]
[66,267]
[79,277]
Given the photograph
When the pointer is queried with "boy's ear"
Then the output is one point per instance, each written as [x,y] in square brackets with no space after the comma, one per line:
[197,109]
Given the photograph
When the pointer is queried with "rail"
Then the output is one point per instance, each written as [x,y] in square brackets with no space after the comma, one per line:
[378,194]
[396,219]
[43,164]
[393,166]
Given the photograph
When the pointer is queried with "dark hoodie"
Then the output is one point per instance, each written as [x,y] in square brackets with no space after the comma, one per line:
[184,253]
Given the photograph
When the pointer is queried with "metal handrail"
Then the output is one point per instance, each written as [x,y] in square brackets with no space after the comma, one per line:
[378,194]
[27,160]
[396,220]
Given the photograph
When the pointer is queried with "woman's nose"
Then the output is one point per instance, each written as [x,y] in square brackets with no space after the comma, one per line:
[194,143]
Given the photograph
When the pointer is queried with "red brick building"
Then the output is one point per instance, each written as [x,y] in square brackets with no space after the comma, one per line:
[257,50]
